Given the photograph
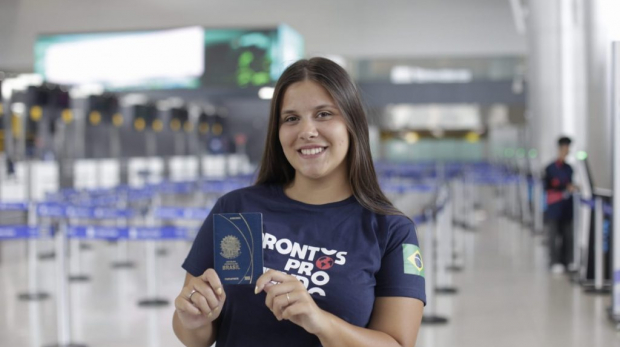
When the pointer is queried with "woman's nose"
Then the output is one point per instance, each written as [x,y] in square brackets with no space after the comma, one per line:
[308,130]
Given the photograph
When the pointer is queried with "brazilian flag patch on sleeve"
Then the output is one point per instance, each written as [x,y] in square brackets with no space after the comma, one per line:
[413,260]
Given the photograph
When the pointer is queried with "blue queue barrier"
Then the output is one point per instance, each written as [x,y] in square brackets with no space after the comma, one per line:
[155,233]
[592,276]
[106,233]
[100,205]
[12,232]
[429,220]
[31,232]
[13,206]
[181,212]
[130,233]
[60,210]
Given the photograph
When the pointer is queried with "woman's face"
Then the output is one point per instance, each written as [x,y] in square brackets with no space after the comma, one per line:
[313,133]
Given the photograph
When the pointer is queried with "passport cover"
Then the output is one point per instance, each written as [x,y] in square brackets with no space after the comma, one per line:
[238,243]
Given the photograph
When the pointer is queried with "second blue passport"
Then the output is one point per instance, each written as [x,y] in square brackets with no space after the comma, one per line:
[238,243]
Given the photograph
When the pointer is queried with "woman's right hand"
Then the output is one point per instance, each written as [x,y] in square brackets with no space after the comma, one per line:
[201,300]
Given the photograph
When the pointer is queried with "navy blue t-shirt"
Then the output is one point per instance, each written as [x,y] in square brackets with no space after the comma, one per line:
[345,254]
[558,175]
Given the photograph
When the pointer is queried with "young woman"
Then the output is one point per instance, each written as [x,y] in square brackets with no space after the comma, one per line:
[345,268]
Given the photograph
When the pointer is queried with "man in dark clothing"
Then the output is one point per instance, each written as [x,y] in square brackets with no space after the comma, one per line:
[558,181]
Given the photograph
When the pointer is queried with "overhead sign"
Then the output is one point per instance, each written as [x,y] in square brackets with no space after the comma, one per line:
[125,59]
[190,57]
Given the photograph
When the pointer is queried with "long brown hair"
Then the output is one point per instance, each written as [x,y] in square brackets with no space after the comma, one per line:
[275,168]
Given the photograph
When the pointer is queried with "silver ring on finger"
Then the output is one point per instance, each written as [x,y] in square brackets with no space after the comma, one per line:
[189,297]
[288,298]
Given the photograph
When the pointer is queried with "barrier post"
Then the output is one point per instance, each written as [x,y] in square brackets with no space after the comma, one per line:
[33,277]
[538,208]
[459,236]
[454,251]
[430,317]
[444,257]
[576,261]
[75,260]
[470,209]
[463,208]
[457,194]
[152,278]
[514,196]
[34,323]
[507,189]
[599,265]
[63,298]
[122,260]
[523,194]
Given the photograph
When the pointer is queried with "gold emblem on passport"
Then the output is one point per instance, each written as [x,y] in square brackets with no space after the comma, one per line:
[230,247]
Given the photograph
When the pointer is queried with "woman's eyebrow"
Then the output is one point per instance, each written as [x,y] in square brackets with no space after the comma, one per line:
[316,108]
[325,106]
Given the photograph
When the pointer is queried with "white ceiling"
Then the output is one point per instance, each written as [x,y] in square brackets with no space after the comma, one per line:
[352,28]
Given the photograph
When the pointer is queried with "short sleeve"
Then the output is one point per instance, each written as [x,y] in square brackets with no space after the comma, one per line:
[200,257]
[402,267]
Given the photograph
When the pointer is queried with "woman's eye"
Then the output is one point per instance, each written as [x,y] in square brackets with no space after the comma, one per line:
[290,119]
[324,114]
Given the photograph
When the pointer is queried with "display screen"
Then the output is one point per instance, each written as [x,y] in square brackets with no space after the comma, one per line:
[155,59]
[180,58]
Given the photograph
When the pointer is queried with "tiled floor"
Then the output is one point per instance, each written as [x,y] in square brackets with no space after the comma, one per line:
[506,298]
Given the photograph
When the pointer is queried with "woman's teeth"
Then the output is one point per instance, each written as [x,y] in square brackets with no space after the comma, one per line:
[312,151]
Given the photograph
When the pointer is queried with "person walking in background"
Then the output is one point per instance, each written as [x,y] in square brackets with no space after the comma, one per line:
[558,181]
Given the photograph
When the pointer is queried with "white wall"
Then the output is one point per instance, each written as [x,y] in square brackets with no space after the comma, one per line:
[602,19]
[352,28]
[557,75]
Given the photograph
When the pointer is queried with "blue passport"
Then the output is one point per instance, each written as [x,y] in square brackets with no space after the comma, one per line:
[238,243]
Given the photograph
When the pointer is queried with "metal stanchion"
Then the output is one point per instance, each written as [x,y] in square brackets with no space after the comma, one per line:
[152,278]
[455,253]
[459,237]
[34,322]
[444,259]
[538,208]
[523,198]
[63,313]
[33,277]
[457,196]
[576,260]
[599,265]
[154,329]
[508,199]
[122,259]
[430,317]
[514,206]
[470,210]
[75,260]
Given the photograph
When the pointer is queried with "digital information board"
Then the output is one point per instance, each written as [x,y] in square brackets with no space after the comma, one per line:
[188,58]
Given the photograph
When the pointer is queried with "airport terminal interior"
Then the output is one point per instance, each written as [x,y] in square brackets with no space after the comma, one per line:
[493,125]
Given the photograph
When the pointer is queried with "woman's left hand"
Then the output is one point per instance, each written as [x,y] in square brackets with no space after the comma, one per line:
[288,299]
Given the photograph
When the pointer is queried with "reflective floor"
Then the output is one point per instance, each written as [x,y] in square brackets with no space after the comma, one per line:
[506,298]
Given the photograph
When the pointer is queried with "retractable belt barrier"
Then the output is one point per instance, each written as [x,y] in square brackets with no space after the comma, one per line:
[132,233]
[601,210]
[13,206]
[75,210]
[8,232]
